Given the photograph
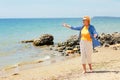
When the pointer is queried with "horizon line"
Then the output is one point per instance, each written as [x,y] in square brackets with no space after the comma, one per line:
[53,17]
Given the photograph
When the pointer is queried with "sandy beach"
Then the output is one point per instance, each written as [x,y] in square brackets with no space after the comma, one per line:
[106,66]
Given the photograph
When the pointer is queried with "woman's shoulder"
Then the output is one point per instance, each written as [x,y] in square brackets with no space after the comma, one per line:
[91,25]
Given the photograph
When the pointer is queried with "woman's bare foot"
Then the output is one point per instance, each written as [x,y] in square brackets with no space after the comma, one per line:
[91,71]
[83,72]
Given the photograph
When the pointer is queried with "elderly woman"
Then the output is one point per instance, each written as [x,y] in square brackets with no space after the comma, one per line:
[88,41]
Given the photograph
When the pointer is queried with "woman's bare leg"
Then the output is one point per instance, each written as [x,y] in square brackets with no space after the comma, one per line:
[90,67]
[84,68]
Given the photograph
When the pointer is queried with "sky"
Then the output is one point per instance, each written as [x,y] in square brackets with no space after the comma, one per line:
[58,8]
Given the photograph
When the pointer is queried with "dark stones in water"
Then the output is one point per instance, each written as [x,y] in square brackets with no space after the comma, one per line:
[45,39]
[27,41]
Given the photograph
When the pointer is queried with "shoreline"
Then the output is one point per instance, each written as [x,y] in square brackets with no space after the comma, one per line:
[11,69]
[106,61]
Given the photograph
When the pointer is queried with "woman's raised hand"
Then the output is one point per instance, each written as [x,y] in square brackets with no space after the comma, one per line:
[66,25]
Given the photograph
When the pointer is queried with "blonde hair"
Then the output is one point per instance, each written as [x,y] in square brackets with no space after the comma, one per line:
[87,18]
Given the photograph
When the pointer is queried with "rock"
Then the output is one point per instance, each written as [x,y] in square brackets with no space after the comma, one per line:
[51,48]
[77,46]
[67,55]
[101,36]
[27,41]
[63,53]
[60,49]
[56,49]
[110,39]
[106,45]
[69,48]
[116,38]
[59,44]
[69,45]
[75,49]
[72,41]
[36,42]
[115,48]
[45,39]
[62,44]
[69,51]
[95,51]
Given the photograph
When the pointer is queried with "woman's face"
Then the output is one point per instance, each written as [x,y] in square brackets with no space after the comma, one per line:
[85,22]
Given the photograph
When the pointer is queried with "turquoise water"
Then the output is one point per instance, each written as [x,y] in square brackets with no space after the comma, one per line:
[13,31]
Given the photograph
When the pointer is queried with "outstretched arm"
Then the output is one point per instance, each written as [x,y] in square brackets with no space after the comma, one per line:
[66,25]
[71,27]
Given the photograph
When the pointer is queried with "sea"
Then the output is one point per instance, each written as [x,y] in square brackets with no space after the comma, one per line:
[15,30]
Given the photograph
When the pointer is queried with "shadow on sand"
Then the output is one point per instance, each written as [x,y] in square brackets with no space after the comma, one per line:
[116,72]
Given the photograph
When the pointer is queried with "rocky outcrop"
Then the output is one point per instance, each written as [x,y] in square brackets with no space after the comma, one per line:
[109,39]
[70,46]
[45,39]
